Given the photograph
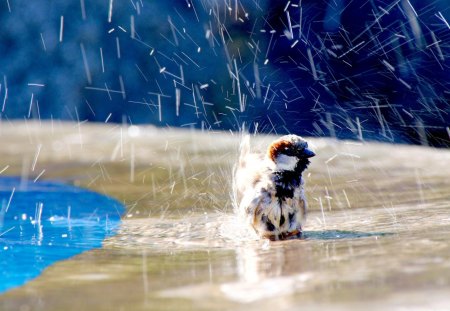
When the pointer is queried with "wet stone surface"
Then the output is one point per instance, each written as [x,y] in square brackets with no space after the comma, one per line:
[376,237]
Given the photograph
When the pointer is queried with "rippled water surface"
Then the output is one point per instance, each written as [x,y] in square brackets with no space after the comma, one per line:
[376,236]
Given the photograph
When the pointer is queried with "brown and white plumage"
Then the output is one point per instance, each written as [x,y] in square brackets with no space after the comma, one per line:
[270,189]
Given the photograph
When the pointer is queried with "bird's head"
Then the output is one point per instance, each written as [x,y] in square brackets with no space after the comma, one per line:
[290,153]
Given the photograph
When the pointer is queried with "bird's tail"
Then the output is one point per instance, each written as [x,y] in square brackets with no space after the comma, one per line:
[244,150]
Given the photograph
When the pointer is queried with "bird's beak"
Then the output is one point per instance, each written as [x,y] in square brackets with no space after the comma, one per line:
[308,153]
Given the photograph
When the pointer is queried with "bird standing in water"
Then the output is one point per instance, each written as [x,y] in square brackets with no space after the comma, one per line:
[270,189]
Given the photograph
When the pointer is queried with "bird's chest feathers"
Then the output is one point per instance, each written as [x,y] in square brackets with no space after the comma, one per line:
[286,184]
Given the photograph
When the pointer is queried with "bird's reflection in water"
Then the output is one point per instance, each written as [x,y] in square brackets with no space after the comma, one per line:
[269,269]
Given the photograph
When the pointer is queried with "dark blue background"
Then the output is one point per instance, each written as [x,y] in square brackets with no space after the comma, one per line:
[381,67]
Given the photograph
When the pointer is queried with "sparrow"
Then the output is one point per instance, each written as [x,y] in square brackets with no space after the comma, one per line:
[269,188]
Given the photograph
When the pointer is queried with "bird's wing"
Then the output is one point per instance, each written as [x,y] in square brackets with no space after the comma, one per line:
[252,204]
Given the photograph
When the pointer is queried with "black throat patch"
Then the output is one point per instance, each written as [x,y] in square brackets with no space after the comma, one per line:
[287,181]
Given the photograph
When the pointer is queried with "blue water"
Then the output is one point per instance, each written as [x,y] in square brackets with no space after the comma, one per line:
[44,222]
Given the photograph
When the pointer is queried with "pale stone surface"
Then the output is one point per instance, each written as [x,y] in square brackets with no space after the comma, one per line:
[376,235]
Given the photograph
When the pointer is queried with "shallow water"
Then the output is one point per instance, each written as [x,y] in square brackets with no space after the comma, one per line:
[44,222]
[376,236]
